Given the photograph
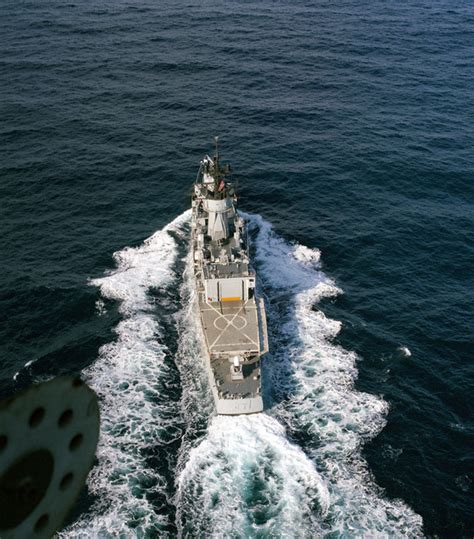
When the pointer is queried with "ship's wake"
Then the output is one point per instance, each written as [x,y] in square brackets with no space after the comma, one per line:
[245,479]
[236,476]
[136,381]
[294,471]
[313,383]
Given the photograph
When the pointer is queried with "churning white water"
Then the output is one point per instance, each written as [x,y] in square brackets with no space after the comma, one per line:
[126,375]
[294,471]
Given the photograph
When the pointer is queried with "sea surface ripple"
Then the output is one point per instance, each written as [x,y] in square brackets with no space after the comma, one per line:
[349,126]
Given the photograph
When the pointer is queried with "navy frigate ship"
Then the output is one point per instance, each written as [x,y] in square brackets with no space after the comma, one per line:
[232,315]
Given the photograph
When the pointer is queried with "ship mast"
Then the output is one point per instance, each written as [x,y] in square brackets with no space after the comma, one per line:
[216,165]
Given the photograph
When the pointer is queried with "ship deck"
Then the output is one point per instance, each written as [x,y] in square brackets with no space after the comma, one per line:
[227,388]
[231,326]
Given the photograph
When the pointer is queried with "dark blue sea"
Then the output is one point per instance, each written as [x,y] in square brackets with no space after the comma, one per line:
[349,126]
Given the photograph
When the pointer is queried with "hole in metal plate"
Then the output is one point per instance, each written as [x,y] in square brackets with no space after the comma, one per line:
[23,486]
[65,418]
[75,442]
[41,523]
[66,481]
[36,417]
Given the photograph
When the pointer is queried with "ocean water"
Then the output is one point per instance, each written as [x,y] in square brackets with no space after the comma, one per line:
[350,129]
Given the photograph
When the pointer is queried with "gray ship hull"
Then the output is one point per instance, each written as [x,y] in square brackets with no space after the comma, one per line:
[232,317]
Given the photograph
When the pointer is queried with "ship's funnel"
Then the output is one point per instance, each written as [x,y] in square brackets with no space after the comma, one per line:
[218,225]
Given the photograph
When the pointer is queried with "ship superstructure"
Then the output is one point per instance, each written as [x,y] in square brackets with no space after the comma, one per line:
[231,314]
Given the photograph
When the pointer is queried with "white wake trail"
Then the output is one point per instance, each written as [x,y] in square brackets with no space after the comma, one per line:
[315,378]
[247,480]
[237,476]
[244,478]
[134,415]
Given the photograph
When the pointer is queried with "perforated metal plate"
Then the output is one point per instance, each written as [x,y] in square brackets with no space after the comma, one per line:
[48,438]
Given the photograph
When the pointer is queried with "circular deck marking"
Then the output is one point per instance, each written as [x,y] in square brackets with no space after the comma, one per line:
[228,320]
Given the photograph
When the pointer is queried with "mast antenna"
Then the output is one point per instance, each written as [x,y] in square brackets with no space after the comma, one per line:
[216,163]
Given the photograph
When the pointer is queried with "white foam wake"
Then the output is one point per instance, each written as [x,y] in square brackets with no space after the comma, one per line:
[241,476]
[244,478]
[237,476]
[247,480]
[135,417]
[314,381]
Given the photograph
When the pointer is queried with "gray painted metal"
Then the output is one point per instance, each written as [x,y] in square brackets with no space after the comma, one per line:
[232,316]
[230,327]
